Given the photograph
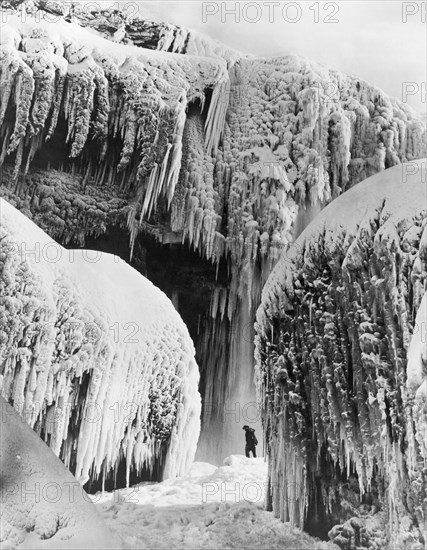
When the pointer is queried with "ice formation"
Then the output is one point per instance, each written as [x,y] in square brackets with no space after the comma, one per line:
[94,357]
[144,126]
[43,505]
[341,365]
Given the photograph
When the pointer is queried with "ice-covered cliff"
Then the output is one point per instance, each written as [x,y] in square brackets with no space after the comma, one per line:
[341,366]
[94,357]
[111,126]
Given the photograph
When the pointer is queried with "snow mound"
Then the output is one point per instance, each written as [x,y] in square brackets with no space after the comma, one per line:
[94,356]
[43,505]
[393,195]
[341,354]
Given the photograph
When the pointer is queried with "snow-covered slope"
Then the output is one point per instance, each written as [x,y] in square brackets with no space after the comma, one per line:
[341,362]
[94,357]
[42,504]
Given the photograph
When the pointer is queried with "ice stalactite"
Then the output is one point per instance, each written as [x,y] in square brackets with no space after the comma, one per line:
[216,115]
[341,364]
[100,380]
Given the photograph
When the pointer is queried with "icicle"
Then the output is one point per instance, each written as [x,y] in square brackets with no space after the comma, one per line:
[215,121]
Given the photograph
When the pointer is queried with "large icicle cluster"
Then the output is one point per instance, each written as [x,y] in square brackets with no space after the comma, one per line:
[298,134]
[341,363]
[118,110]
[94,357]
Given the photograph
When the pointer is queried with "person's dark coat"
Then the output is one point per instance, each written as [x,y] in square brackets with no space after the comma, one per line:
[251,442]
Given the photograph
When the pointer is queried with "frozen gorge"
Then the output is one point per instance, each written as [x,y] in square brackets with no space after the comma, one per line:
[200,167]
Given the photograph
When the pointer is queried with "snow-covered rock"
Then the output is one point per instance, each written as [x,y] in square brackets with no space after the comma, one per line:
[94,356]
[42,504]
[341,363]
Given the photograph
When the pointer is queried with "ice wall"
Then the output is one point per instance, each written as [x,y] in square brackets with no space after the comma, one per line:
[341,365]
[94,357]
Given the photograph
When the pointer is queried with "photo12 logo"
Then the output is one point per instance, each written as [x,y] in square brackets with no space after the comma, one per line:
[271,12]
[413,169]
[414,11]
[411,89]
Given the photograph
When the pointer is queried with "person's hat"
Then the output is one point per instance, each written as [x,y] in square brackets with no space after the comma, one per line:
[246,427]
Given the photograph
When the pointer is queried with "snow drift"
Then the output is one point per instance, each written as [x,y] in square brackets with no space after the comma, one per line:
[341,370]
[94,357]
[210,508]
[43,506]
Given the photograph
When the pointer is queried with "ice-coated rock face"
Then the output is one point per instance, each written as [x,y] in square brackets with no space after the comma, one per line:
[341,365]
[94,357]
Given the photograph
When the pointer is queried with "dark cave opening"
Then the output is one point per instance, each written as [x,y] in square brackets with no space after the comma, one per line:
[194,108]
[55,154]
[187,279]
[57,151]
[116,479]
[318,522]
[342,491]
[208,98]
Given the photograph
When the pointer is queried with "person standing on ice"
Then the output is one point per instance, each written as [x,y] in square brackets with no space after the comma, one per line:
[251,441]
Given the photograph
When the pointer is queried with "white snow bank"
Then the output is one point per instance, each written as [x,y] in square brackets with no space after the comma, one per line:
[210,508]
[239,479]
[94,356]
[43,505]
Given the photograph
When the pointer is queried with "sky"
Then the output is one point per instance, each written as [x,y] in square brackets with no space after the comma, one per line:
[383,42]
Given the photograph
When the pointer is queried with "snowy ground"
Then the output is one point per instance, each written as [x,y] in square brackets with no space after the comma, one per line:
[210,508]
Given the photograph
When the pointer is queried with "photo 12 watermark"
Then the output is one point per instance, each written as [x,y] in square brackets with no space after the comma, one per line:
[271,12]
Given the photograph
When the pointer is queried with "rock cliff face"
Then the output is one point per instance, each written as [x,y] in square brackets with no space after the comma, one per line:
[116,129]
[342,353]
